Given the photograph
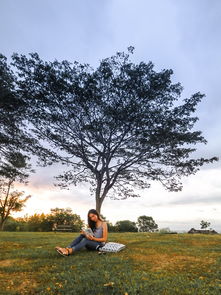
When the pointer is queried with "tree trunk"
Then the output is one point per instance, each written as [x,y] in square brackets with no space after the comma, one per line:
[2,223]
[98,206]
[99,202]
[98,199]
[100,195]
[5,214]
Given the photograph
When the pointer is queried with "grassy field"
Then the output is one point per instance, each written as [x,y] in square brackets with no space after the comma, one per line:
[151,264]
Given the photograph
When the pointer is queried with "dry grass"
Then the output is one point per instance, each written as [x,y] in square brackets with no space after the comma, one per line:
[172,263]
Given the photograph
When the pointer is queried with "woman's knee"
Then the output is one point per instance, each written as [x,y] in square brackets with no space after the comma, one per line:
[91,245]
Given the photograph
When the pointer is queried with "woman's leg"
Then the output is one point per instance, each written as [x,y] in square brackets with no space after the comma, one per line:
[69,250]
[93,245]
[76,241]
[79,243]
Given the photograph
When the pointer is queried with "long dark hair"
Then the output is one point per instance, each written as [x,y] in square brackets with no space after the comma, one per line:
[91,223]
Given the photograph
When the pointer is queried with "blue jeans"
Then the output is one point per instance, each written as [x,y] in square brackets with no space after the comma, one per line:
[81,242]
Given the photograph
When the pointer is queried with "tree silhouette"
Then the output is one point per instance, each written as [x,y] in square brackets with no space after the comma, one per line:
[14,134]
[118,127]
[204,224]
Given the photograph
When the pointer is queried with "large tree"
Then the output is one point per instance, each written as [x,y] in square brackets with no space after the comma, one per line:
[118,127]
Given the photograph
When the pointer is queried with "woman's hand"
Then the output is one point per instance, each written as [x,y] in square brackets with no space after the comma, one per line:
[90,237]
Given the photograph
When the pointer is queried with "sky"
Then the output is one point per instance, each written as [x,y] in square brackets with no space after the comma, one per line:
[184,36]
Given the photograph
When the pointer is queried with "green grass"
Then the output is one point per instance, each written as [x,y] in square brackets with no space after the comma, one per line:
[151,264]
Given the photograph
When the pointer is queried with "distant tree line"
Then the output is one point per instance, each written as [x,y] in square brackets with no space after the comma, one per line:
[46,222]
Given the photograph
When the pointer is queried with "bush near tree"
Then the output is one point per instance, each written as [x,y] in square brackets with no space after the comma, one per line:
[62,216]
[39,222]
[146,224]
[11,224]
[111,227]
[126,226]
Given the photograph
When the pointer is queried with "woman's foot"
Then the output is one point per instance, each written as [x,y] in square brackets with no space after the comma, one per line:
[64,251]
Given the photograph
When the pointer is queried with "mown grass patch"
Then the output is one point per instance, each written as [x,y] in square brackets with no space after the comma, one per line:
[152,264]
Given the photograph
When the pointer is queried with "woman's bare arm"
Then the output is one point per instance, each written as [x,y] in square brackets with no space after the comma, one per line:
[105,233]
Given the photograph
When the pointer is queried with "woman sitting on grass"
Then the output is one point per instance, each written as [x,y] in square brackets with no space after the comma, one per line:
[91,242]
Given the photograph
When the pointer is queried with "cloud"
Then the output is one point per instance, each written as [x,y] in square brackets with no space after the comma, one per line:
[192,200]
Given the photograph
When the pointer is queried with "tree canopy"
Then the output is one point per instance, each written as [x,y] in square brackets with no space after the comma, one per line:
[118,127]
[15,136]
[204,224]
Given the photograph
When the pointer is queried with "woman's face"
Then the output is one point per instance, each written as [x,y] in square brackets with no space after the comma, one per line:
[93,217]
